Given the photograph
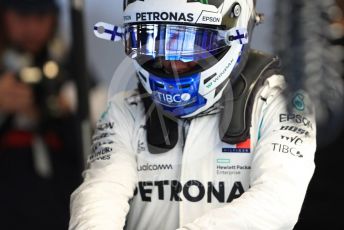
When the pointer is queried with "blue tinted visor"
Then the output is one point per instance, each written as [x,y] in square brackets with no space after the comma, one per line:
[173,42]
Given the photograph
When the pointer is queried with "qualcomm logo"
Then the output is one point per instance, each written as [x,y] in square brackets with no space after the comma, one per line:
[154,167]
[172,99]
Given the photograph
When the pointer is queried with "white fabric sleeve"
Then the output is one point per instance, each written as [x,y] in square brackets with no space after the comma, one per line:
[101,202]
[282,167]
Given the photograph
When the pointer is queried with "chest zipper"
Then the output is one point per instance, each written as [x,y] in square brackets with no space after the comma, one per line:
[185,130]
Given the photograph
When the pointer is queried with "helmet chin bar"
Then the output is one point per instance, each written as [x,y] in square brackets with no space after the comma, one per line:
[177,97]
[208,87]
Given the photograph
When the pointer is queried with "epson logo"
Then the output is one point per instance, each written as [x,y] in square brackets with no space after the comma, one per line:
[172,99]
[211,19]
[296,118]
[164,16]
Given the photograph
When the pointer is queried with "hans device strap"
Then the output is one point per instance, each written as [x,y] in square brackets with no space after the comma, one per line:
[259,67]
[235,119]
[162,131]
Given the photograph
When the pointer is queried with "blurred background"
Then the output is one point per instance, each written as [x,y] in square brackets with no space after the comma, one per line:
[54,75]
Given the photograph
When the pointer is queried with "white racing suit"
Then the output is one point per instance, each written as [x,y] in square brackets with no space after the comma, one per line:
[202,183]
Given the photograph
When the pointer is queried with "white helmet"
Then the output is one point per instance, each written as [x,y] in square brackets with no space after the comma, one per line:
[212,34]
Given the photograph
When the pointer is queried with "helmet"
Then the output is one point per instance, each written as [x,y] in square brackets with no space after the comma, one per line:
[210,38]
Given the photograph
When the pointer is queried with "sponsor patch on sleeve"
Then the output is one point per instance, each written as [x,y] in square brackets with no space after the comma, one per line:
[243,147]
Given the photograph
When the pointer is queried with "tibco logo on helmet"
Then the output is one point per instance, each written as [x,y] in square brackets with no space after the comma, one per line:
[172,99]
[185,31]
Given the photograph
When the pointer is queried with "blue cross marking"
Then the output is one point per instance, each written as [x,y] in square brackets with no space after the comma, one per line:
[239,37]
[114,33]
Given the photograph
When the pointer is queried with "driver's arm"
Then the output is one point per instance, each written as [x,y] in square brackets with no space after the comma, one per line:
[101,202]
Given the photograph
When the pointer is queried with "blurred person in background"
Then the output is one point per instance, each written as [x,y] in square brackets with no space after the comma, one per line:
[1,36]
[309,39]
[324,197]
[39,165]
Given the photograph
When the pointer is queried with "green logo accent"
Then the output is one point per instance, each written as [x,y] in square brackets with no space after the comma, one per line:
[223,161]
[201,1]
[106,112]
[298,102]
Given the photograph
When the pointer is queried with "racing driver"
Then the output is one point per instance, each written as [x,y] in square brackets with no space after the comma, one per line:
[210,139]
